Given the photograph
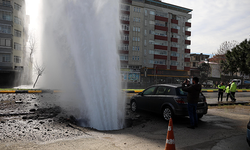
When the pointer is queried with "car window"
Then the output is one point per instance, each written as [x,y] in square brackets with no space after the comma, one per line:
[161,90]
[170,91]
[149,91]
[180,92]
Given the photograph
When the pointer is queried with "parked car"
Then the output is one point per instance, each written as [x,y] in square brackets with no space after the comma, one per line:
[248,133]
[167,100]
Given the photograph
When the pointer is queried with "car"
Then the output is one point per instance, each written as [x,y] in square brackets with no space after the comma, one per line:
[166,99]
[248,133]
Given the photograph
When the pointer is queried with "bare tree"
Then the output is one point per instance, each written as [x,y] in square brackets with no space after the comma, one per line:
[226,46]
[39,70]
[32,43]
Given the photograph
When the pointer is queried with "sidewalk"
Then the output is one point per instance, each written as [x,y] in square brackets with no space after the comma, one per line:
[239,100]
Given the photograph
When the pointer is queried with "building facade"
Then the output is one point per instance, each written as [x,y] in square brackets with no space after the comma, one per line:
[13,38]
[195,61]
[155,45]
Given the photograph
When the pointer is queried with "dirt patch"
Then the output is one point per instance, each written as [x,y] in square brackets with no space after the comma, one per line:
[237,109]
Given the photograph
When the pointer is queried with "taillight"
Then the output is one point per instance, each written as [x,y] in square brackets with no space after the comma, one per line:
[179,100]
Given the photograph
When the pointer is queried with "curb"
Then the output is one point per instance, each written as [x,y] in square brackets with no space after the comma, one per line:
[137,91]
[29,91]
[228,103]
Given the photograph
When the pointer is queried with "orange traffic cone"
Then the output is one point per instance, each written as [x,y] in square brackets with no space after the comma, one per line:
[170,142]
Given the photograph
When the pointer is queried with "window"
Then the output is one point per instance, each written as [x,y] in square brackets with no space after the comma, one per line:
[5,15]
[17,46]
[17,6]
[17,20]
[161,91]
[136,29]
[125,37]
[174,26]
[5,29]
[151,12]
[17,59]
[125,27]
[162,14]
[136,39]
[174,63]
[137,19]
[124,17]
[175,54]
[125,7]
[4,57]
[146,12]
[158,61]
[149,91]
[173,44]
[160,23]
[124,57]
[17,33]
[5,42]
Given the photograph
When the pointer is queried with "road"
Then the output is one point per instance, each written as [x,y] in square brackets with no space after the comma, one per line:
[222,128]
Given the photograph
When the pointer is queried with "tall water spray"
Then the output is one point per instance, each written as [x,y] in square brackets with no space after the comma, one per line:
[79,41]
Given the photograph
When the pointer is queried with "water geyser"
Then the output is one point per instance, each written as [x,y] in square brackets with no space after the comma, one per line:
[78,45]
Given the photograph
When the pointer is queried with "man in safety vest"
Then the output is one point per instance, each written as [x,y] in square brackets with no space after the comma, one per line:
[228,91]
[221,89]
[233,90]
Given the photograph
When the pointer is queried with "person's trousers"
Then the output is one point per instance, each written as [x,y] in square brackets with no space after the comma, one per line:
[228,95]
[220,95]
[192,107]
[233,96]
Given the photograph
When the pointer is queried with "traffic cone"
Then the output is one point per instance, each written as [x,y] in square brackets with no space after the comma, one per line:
[170,142]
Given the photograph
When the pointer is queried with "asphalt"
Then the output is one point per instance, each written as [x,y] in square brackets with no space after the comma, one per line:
[239,101]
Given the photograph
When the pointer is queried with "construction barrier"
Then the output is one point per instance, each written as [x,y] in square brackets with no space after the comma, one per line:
[170,142]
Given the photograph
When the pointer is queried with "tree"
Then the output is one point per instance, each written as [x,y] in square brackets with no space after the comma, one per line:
[226,46]
[39,70]
[205,70]
[237,59]
[32,43]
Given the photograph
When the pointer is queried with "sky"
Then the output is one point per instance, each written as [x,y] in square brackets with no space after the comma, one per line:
[213,22]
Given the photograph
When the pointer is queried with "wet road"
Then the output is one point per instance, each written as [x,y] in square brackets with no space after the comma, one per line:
[220,129]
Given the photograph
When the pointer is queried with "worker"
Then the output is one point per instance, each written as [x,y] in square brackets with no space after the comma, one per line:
[228,91]
[233,90]
[221,89]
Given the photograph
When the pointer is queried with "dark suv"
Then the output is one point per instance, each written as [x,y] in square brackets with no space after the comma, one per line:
[168,100]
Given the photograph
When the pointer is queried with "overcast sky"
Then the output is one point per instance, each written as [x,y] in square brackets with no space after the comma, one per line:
[216,21]
[213,22]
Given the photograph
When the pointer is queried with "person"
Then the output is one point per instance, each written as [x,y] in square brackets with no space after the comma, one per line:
[233,90]
[193,91]
[228,91]
[221,89]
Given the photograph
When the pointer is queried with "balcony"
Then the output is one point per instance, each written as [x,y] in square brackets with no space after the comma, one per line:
[187,60]
[174,30]
[6,65]
[173,67]
[160,47]
[125,32]
[175,49]
[164,38]
[187,50]
[174,40]
[124,22]
[160,57]
[123,52]
[161,28]
[160,67]
[187,24]
[188,33]
[6,6]
[188,42]
[174,21]
[187,68]
[161,18]
[173,58]
[125,42]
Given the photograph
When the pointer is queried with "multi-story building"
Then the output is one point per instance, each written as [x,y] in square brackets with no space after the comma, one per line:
[196,60]
[13,36]
[155,41]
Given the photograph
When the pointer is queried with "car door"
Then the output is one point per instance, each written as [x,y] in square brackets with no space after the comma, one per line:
[143,101]
[157,99]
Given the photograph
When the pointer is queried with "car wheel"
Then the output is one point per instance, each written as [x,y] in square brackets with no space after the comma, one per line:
[167,113]
[133,106]
[200,116]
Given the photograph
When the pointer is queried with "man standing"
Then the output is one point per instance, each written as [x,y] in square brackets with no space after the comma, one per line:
[221,89]
[233,90]
[192,98]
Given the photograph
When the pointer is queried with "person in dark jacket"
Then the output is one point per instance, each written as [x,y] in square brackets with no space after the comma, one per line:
[192,98]
[221,90]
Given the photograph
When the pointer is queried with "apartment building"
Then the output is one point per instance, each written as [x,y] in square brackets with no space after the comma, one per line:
[156,41]
[196,60]
[13,36]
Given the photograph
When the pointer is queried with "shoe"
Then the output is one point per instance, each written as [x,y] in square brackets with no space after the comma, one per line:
[191,127]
